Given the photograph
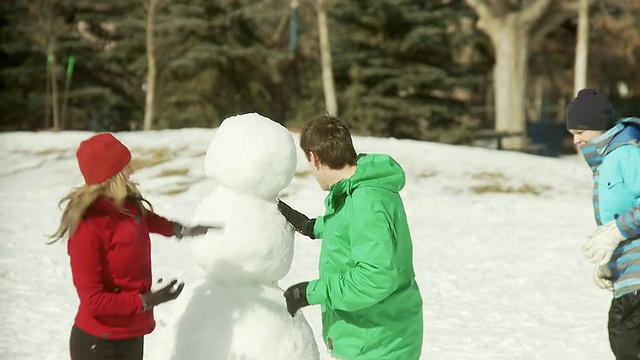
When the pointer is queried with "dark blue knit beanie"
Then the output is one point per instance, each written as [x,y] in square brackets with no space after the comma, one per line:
[590,111]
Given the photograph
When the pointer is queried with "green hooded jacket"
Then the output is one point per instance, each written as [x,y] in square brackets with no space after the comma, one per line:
[371,304]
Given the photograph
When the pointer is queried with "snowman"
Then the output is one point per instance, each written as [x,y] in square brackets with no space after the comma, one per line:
[238,312]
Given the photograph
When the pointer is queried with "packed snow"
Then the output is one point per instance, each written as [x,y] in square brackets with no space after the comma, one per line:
[497,239]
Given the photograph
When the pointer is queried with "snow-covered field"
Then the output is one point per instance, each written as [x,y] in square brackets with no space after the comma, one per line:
[497,239]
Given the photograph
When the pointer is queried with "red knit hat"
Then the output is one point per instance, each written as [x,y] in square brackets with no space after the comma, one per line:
[100,157]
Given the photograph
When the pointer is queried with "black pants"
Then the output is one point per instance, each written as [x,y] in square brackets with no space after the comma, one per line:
[624,326]
[83,346]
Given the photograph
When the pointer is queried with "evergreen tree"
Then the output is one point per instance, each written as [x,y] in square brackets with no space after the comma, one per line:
[215,59]
[398,70]
[31,34]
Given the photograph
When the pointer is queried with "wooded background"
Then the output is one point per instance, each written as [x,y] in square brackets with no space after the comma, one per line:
[437,70]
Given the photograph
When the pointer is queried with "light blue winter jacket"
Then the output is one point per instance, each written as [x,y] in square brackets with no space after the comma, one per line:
[614,158]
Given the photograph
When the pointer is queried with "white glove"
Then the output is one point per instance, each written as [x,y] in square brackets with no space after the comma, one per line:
[602,277]
[601,244]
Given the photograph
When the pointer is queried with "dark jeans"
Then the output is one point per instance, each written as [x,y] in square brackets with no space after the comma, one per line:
[624,326]
[83,346]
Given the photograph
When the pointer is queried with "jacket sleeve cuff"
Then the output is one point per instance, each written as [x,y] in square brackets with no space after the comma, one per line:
[629,223]
[318,227]
[314,297]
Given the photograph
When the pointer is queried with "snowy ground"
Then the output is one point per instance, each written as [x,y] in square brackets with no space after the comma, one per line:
[501,272]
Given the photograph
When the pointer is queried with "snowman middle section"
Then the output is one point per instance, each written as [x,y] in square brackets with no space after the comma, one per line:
[255,244]
[239,311]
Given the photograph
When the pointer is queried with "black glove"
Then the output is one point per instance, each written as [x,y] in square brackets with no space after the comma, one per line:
[177,230]
[296,297]
[299,221]
[181,231]
[155,298]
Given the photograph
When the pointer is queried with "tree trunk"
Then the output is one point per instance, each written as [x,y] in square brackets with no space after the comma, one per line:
[65,96]
[151,68]
[511,32]
[582,48]
[511,44]
[325,53]
[47,97]
[534,108]
[54,94]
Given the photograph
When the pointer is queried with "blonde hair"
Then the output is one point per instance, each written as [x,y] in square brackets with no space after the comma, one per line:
[118,188]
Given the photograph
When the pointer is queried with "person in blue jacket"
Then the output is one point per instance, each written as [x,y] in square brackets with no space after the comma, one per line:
[612,150]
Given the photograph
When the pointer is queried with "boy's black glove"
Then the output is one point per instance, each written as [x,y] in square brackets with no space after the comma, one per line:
[296,297]
[155,298]
[298,220]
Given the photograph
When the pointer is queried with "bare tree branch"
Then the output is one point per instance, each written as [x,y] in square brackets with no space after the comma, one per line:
[549,23]
[530,14]
[500,8]
[558,13]
[481,8]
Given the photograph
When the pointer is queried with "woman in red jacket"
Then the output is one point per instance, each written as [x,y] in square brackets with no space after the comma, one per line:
[108,223]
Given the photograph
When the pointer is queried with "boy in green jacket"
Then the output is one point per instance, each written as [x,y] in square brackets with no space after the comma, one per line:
[371,304]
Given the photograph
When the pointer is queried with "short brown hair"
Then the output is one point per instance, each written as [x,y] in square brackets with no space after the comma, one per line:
[330,140]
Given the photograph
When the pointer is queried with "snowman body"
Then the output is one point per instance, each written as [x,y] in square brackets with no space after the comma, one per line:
[239,312]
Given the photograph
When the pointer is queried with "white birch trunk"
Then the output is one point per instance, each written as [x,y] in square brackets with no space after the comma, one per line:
[151,67]
[331,102]
[582,48]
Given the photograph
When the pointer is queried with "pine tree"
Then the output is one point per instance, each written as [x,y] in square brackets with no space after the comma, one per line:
[399,70]
[32,33]
[215,59]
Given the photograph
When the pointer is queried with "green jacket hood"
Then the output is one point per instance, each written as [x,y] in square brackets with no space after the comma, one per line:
[373,170]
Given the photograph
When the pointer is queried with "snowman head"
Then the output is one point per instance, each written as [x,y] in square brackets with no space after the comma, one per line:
[253,155]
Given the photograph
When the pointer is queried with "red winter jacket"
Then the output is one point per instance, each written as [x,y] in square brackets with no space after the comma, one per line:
[110,254]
